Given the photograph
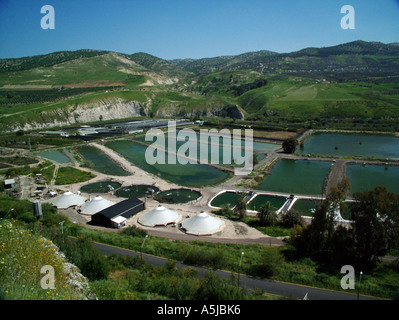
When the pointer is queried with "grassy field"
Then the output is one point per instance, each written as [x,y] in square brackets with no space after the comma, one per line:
[69,175]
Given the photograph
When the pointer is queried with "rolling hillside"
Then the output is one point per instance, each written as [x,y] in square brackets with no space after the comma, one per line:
[357,82]
[351,61]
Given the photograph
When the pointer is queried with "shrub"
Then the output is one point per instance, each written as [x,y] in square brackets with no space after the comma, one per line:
[134,232]
[205,257]
[268,264]
[267,214]
[291,218]
[91,262]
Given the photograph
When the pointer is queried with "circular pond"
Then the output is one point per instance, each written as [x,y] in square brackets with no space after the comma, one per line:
[100,187]
[137,191]
[177,196]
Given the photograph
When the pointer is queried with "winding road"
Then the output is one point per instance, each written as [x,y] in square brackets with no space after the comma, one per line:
[272,287]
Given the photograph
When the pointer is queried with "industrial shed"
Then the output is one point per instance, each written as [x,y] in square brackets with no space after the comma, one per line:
[117,215]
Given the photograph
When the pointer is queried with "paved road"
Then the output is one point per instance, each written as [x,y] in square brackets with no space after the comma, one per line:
[272,287]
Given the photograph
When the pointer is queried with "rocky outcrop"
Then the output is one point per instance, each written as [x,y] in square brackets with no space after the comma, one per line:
[79,282]
[76,280]
[231,111]
[111,109]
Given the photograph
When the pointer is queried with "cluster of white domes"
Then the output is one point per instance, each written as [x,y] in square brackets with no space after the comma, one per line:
[200,224]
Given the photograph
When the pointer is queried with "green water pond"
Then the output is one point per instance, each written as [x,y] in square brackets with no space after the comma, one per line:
[368,177]
[351,144]
[100,187]
[297,176]
[260,199]
[189,175]
[101,162]
[136,191]
[307,206]
[55,155]
[177,196]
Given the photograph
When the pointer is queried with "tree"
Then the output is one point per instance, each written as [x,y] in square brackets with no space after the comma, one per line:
[241,207]
[291,218]
[375,216]
[267,214]
[289,145]
[375,228]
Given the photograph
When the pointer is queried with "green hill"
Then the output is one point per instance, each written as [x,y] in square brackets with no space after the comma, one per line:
[356,82]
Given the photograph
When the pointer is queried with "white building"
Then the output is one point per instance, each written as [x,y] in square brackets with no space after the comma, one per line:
[202,224]
[159,216]
[67,200]
[95,205]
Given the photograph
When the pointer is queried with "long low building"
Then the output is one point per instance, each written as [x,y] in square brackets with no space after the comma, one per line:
[116,216]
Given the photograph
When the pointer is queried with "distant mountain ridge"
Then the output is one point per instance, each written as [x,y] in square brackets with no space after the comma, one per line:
[356,53]
[46,60]
[264,60]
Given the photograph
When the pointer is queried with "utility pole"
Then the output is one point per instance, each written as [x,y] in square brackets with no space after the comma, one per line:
[239,269]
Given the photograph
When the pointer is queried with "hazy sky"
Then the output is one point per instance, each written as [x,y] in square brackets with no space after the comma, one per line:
[191,29]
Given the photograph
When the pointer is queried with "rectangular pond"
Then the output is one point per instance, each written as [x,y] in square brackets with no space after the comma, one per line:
[190,175]
[351,144]
[368,177]
[101,162]
[260,199]
[297,176]
[306,207]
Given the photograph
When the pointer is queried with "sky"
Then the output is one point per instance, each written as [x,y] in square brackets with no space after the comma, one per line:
[172,29]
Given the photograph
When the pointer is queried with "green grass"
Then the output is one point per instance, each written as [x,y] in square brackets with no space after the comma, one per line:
[261,261]
[100,69]
[69,175]
[23,254]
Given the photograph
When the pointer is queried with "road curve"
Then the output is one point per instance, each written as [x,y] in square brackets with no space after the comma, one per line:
[273,287]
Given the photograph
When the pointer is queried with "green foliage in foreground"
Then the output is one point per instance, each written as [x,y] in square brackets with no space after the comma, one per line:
[276,263]
[133,279]
[126,281]
[22,255]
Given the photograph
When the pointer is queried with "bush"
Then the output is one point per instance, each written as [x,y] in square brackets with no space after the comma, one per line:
[205,257]
[267,214]
[91,262]
[134,232]
[268,265]
[213,287]
[291,218]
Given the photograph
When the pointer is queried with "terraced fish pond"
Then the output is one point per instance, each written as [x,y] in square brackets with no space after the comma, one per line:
[307,207]
[368,177]
[225,198]
[189,175]
[351,144]
[297,176]
[261,199]
[100,162]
